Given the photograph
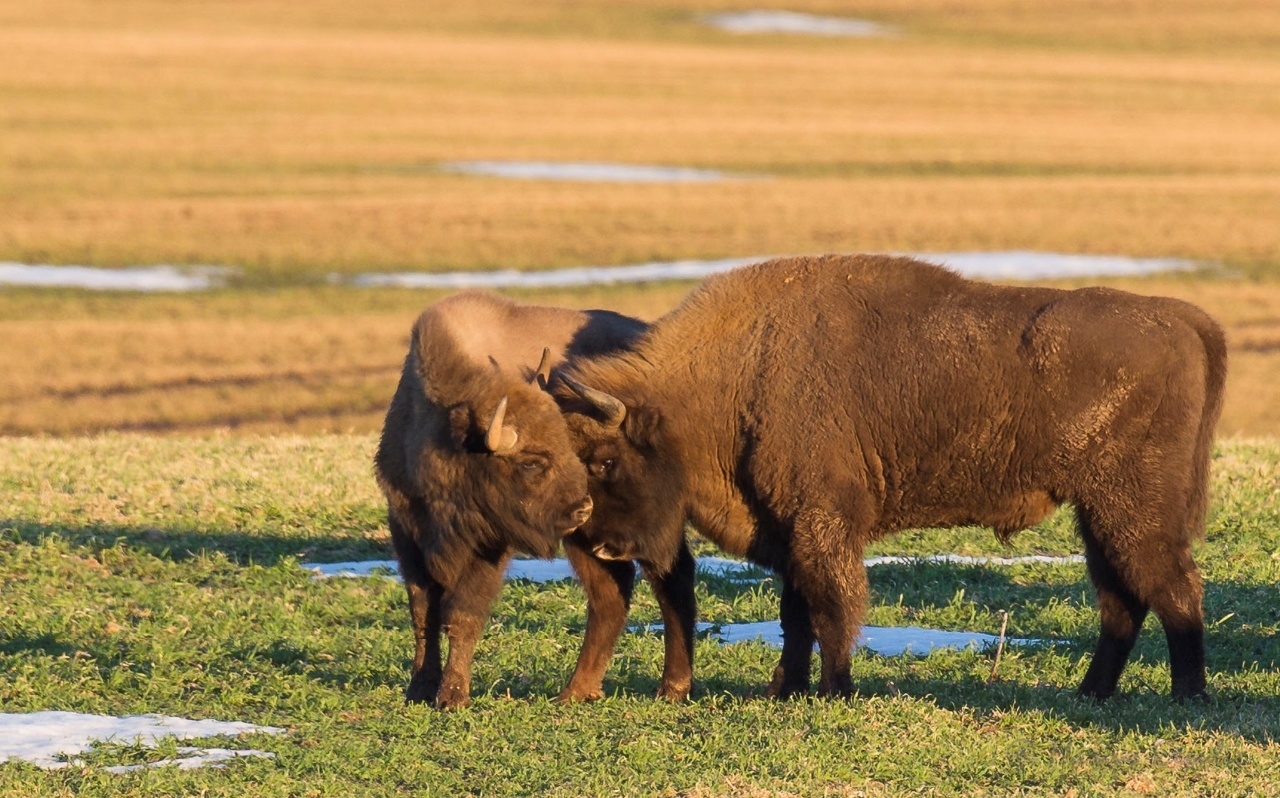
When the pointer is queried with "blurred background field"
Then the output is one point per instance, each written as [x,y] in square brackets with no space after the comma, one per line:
[295,142]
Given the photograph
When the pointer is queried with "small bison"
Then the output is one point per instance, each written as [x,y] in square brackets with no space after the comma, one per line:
[796,410]
[475,464]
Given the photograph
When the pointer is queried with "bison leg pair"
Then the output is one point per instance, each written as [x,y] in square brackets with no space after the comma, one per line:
[459,613]
[608,585]
[1135,567]
[824,594]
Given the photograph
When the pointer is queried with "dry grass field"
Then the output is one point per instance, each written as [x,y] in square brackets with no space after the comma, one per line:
[301,139]
[327,360]
[293,141]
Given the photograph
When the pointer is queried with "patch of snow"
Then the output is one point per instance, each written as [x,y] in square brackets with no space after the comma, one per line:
[556,278]
[531,570]
[133,278]
[763,21]
[540,570]
[45,739]
[584,172]
[959,559]
[1024,265]
[888,641]
[979,265]
[353,569]
[559,569]
[195,758]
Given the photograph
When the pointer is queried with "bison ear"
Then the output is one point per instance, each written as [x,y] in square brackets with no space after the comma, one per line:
[611,408]
[499,437]
[543,374]
[642,427]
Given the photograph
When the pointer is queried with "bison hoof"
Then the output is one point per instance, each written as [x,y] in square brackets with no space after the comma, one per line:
[453,696]
[783,688]
[674,692]
[421,690]
[1096,695]
[1200,694]
[574,695]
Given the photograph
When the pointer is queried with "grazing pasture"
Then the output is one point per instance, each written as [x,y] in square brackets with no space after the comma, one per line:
[159,574]
[157,491]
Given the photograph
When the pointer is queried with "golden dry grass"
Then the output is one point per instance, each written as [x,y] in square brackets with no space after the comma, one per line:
[299,139]
[308,362]
[291,138]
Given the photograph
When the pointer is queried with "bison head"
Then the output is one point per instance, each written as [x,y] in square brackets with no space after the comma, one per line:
[636,482]
[504,468]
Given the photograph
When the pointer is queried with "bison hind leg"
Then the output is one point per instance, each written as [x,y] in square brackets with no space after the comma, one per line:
[791,677]
[826,566]
[1138,566]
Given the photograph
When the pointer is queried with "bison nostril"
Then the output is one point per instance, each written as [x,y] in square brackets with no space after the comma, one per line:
[580,514]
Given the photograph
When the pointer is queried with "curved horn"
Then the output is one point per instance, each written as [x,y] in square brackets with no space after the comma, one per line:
[543,373]
[612,408]
[499,438]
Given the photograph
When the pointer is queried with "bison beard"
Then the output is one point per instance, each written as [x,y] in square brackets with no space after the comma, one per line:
[475,465]
[797,410]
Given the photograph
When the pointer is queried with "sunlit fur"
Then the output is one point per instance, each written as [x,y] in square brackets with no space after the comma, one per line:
[457,511]
[796,410]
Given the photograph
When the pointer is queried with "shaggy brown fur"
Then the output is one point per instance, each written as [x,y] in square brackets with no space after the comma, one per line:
[464,493]
[796,410]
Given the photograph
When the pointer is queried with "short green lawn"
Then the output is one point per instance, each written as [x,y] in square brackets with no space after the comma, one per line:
[160,575]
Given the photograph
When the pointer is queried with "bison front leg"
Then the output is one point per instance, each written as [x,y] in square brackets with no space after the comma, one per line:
[608,585]
[424,615]
[465,611]
[674,591]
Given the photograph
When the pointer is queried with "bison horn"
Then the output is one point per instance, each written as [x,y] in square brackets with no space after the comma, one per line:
[499,437]
[543,374]
[612,408]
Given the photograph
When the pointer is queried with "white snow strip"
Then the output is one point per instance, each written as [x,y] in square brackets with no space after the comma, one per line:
[46,739]
[762,21]
[540,570]
[960,559]
[980,265]
[559,569]
[556,278]
[587,172]
[195,758]
[353,569]
[888,641]
[1024,265]
[133,278]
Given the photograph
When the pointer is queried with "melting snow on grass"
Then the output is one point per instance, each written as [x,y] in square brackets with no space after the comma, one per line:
[762,21]
[583,172]
[887,641]
[52,739]
[133,278]
[980,265]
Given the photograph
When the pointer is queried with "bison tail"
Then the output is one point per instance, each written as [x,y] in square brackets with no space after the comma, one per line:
[1215,349]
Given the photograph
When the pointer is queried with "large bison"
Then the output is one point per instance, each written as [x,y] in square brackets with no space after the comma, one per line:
[476,464]
[799,409]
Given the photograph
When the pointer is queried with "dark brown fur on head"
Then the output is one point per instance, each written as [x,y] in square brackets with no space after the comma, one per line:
[639,510]
[434,450]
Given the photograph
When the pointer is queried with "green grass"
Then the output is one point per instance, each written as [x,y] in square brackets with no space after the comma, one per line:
[159,575]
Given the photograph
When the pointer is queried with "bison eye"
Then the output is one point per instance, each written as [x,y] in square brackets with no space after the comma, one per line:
[601,468]
[534,465]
